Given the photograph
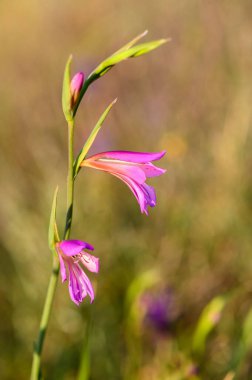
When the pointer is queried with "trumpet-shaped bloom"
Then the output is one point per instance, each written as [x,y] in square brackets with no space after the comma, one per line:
[76,86]
[133,168]
[72,258]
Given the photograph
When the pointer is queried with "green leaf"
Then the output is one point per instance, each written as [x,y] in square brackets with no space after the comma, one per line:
[133,313]
[209,318]
[132,42]
[66,94]
[82,154]
[247,331]
[123,54]
[244,345]
[53,231]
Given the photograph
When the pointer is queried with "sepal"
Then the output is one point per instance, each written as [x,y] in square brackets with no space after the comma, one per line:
[66,91]
[82,154]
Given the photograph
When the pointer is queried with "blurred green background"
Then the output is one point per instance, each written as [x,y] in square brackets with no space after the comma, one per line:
[174,292]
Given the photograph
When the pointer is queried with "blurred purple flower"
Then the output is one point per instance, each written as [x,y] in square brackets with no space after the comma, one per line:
[159,309]
[133,168]
[71,255]
[76,86]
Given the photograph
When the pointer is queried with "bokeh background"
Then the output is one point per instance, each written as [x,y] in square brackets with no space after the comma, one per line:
[174,292]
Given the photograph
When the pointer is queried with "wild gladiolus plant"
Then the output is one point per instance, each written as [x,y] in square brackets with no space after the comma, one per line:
[72,258]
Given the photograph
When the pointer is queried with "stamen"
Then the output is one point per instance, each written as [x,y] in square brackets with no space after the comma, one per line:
[77,258]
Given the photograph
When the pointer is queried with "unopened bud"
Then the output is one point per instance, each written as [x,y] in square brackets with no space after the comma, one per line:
[75,87]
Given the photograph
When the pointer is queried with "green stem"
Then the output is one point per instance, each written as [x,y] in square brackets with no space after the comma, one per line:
[70,181]
[36,363]
[36,372]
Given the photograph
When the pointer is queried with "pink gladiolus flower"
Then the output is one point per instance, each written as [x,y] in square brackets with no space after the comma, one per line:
[133,168]
[76,86]
[72,257]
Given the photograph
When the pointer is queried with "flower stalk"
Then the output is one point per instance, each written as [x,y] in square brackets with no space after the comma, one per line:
[38,346]
[70,180]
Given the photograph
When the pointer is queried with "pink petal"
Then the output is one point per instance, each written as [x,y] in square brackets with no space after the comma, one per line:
[62,269]
[151,170]
[133,171]
[74,287]
[77,83]
[91,262]
[88,286]
[74,247]
[129,156]
[150,194]
[144,193]
[86,283]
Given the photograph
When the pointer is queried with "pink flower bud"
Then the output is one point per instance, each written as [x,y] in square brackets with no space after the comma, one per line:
[75,87]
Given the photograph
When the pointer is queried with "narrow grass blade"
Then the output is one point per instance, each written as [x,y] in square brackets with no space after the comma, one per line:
[84,370]
[209,318]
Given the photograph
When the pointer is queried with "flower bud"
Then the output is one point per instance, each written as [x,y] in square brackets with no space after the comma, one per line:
[75,87]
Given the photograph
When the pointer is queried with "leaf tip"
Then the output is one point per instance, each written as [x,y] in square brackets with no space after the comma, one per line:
[164,40]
